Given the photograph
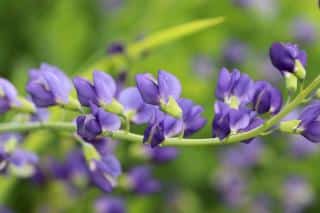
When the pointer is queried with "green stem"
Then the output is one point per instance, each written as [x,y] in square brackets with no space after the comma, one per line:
[177,141]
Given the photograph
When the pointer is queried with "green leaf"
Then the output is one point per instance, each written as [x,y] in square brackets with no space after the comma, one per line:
[172,34]
[162,37]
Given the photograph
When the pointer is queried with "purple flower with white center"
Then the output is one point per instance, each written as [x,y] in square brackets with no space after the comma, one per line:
[108,204]
[48,86]
[303,31]
[235,53]
[92,125]
[161,155]
[191,116]
[234,88]
[8,96]
[158,91]
[142,182]
[101,92]
[266,98]
[116,48]
[104,172]
[309,122]
[230,121]
[297,194]
[284,56]
[134,107]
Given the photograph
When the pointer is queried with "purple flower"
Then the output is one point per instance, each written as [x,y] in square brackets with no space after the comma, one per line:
[142,182]
[108,204]
[284,55]
[161,154]
[158,91]
[230,121]
[8,96]
[101,92]
[297,194]
[300,147]
[134,107]
[235,52]
[160,127]
[243,155]
[73,170]
[48,86]
[303,31]
[104,172]
[310,124]
[191,116]
[116,48]
[266,98]
[91,125]
[234,88]
[23,163]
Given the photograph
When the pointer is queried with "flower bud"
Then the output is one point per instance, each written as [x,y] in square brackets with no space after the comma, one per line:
[289,126]
[8,96]
[291,82]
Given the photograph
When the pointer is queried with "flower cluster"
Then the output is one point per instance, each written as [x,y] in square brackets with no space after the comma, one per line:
[108,109]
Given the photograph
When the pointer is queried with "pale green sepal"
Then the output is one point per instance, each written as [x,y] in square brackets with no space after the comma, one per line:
[90,152]
[172,108]
[113,107]
[73,104]
[23,105]
[299,70]
[289,126]
[291,82]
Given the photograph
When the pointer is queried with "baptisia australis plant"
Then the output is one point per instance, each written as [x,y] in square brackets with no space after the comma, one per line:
[244,109]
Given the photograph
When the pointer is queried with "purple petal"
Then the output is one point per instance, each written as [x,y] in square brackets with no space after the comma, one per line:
[108,121]
[85,91]
[148,88]
[169,85]
[131,99]
[105,86]
[312,132]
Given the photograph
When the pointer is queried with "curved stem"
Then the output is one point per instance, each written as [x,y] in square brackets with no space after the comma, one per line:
[177,141]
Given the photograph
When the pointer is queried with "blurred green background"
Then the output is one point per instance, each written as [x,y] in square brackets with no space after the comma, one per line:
[72,34]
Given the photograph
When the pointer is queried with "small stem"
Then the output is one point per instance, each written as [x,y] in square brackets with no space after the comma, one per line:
[177,141]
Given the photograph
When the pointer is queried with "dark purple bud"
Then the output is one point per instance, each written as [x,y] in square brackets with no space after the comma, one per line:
[48,86]
[234,88]
[153,92]
[85,91]
[221,121]
[284,55]
[192,118]
[142,182]
[266,98]
[154,134]
[116,48]
[88,127]
[104,172]
[8,96]
[310,124]
[108,204]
